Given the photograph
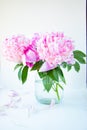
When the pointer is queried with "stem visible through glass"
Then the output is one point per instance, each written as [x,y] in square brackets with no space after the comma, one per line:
[56,89]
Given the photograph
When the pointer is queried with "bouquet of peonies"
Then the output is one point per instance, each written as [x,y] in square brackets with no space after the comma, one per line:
[45,53]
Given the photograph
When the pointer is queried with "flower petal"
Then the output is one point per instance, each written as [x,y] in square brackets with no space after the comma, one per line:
[46,67]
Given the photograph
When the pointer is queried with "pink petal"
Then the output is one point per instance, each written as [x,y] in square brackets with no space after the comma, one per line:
[46,67]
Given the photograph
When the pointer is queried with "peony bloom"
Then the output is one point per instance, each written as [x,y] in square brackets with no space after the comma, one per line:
[55,48]
[13,48]
[30,55]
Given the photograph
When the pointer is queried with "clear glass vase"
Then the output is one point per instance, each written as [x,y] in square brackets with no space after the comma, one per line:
[45,97]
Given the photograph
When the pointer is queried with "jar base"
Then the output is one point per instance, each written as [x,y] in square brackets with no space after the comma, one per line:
[48,101]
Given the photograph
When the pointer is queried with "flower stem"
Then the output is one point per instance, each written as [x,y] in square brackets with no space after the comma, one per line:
[56,88]
[57,91]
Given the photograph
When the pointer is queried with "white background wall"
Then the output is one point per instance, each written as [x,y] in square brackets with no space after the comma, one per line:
[29,16]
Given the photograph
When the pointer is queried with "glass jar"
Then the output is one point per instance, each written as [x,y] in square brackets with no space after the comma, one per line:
[45,97]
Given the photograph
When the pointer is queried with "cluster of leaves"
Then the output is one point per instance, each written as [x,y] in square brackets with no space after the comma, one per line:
[52,76]
[22,72]
[79,59]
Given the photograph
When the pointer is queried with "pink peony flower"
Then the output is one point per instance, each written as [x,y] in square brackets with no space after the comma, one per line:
[13,48]
[30,55]
[55,48]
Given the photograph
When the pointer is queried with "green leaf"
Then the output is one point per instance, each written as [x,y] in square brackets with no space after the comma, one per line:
[24,74]
[47,82]
[53,74]
[79,53]
[20,73]
[79,56]
[17,66]
[81,60]
[42,74]
[77,66]
[69,66]
[64,64]
[61,75]
[37,65]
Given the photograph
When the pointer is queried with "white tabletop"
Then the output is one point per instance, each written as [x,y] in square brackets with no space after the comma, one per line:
[26,114]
